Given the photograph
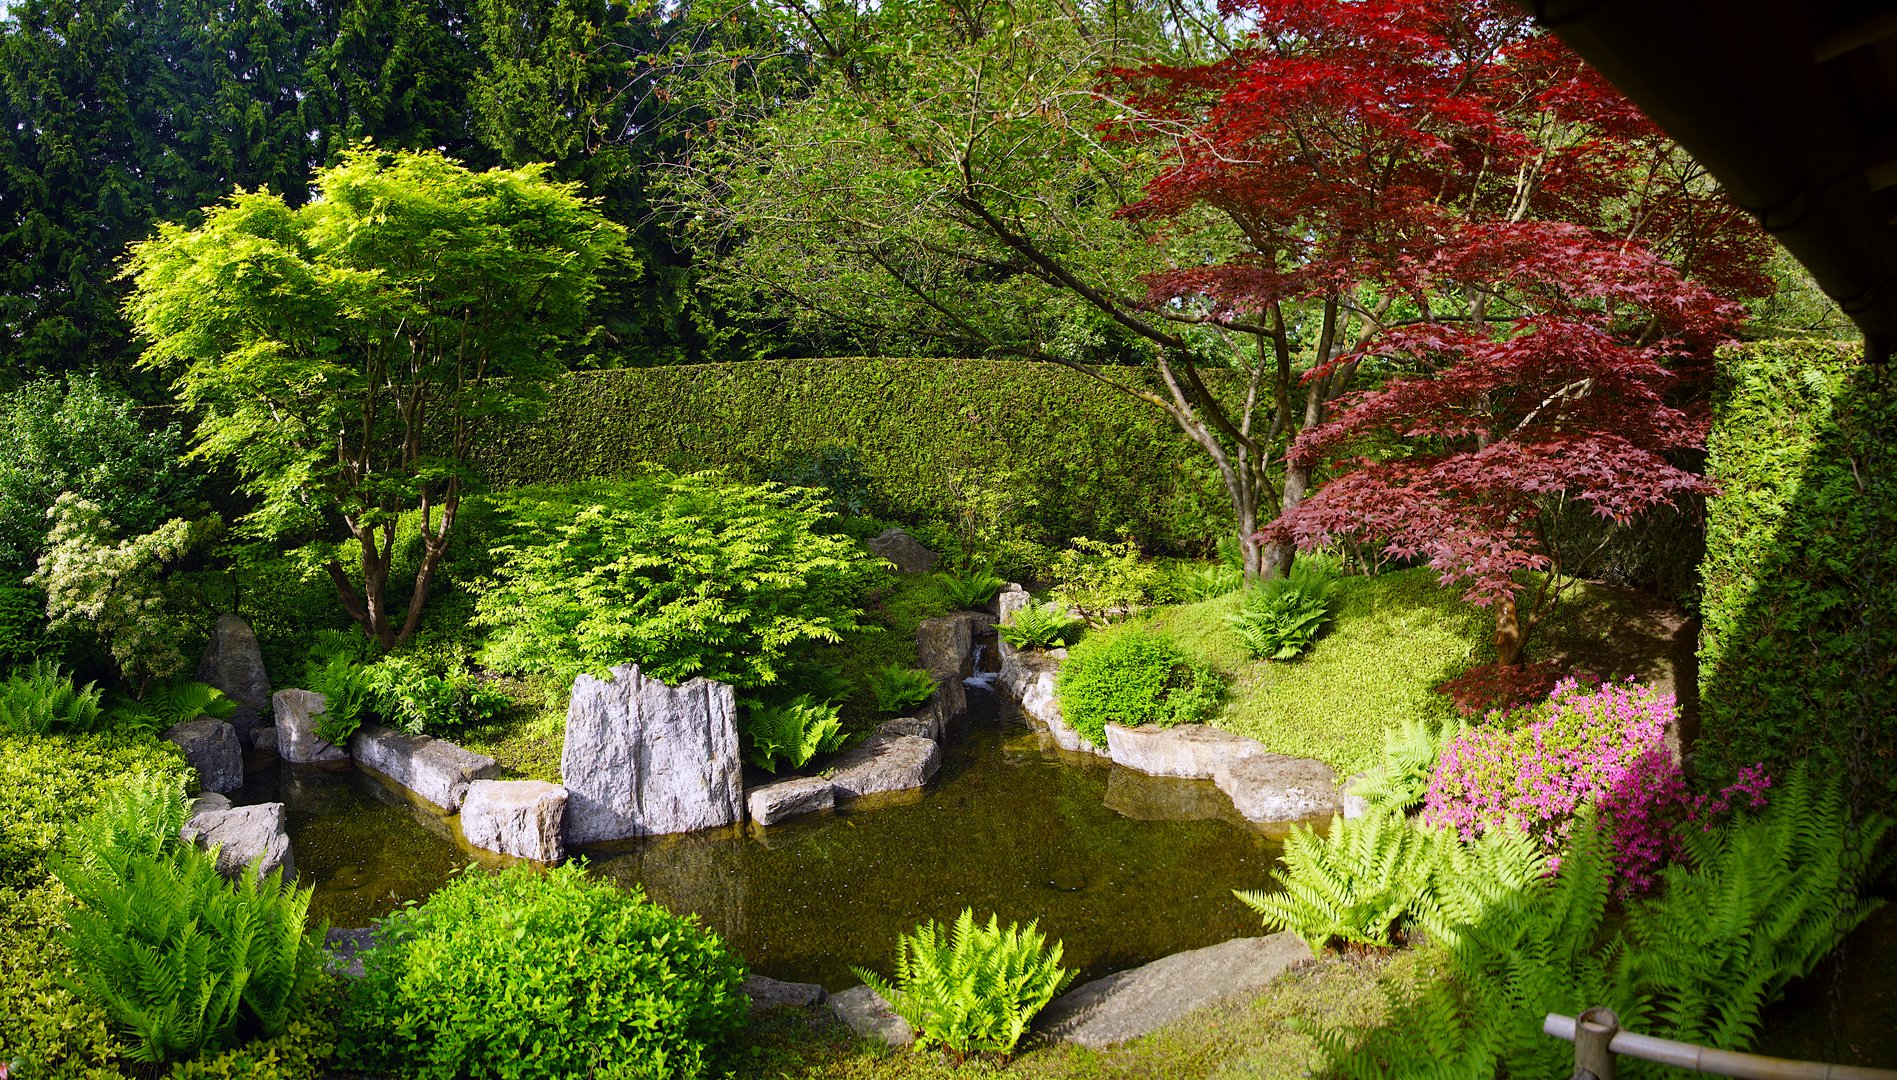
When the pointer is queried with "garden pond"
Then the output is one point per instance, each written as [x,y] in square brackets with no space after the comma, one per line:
[1122,867]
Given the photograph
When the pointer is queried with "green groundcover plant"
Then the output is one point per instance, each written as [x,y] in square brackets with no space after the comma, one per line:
[524,973]
[1133,675]
[687,576]
[972,988]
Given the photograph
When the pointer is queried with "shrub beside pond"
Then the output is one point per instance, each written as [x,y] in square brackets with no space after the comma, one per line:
[528,974]
[1133,675]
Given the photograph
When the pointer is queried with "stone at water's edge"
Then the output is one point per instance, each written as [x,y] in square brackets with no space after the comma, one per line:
[767,993]
[297,742]
[436,770]
[242,835]
[213,749]
[947,644]
[1028,677]
[867,1014]
[264,738]
[645,759]
[796,796]
[233,663]
[1272,787]
[522,818]
[1191,751]
[1132,1003]
[910,725]
[885,763]
[902,550]
[1010,599]
[948,704]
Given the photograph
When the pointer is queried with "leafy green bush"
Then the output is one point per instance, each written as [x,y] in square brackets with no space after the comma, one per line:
[1282,616]
[898,689]
[82,436]
[122,591]
[793,732]
[972,988]
[41,697]
[838,471]
[48,782]
[685,575]
[22,624]
[1766,897]
[529,974]
[168,703]
[970,590]
[1040,626]
[1132,675]
[1103,581]
[404,694]
[167,947]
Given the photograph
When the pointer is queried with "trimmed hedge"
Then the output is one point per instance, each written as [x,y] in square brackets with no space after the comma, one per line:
[1798,654]
[1073,455]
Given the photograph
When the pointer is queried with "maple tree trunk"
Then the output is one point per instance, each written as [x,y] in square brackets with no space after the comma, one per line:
[1278,557]
[1508,633]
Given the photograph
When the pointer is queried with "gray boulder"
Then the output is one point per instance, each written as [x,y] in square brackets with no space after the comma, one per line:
[1352,804]
[1132,1003]
[901,549]
[234,664]
[1029,678]
[947,643]
[767,993]
[522,818]
[644,759]
[264,738]
[1273,787]
[885,763]
[1010,599]
[213,749]
[911,725]
[867,1014]
[434,769]
[782,800]
[242,835]
[947,705]
[1192,751]
[297,742]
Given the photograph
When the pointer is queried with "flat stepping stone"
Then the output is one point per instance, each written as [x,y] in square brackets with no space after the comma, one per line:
[867,1014]
[768,993]
[885,763]
[1189,751]
[782,800]
[1133,1003]
[437,770]
[521,818]
[1276,788]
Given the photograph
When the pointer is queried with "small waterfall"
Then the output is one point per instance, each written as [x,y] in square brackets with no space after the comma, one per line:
[983,679]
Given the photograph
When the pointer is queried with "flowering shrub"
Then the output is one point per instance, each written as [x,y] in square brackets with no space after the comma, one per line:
[1644,810]
[1540,773]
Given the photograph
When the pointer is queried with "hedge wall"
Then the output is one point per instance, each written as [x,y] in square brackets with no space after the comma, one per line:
[1799,646]
[1074,456]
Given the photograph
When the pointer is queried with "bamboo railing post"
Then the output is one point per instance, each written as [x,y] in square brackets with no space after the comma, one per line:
[1594,1032]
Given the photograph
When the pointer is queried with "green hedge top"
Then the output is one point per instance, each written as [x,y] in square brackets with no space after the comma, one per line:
[1068,454]
[1799,646]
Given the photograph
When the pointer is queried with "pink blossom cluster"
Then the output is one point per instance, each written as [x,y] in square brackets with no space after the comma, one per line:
[1541,773]
[1645,809]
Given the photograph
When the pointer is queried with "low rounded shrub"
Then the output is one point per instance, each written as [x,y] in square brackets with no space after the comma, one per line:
[1133,675]
[529,974]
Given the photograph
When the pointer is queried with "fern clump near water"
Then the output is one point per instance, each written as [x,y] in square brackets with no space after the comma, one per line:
[1040,626]
[1282,616]
[898,689]
[1410,750]
[791,733]
[970,590]
[972,988]
[165,946]
[41,698]
[168,703]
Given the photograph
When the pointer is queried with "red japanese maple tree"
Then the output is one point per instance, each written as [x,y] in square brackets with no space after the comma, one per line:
[1504,272]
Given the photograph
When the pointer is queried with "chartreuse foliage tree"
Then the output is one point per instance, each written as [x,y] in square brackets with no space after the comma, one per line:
[345,356]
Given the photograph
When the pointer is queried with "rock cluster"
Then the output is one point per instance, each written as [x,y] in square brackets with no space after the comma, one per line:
[213,749]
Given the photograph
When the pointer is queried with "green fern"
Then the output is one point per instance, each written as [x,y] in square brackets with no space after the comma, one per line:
[791,733]
[899,689]
[1206,582]
[972,988]
[1410,751]
[165,704]
[1040,626]
[1282,616]
[1352,885]
[40,698]
[167,948]
[971,590]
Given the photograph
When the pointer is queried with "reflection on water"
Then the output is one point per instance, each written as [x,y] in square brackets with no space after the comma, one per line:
[1121,867]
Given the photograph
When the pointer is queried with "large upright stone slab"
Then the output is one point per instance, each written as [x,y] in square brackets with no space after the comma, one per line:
[1138,1002]
[643,758]
[522,818]
[234,664]
[297,742]
[1276,788]
[946,706]
[1190,751]
[902,551]
[212,748]
[434,769]
[242,835]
